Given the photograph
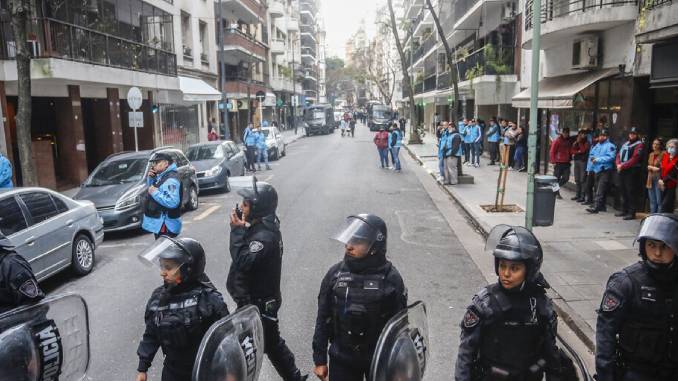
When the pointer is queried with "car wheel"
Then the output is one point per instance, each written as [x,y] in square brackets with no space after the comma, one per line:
[277,154]
[83,255]
[227,183]
[193,202]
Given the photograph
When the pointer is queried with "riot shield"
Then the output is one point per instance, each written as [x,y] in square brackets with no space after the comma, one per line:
[232,349]
[47,341]
[402,350]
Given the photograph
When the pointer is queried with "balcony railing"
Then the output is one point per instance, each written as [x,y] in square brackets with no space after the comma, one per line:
[486,61]
[419,88]
[651,4]
[236,37]
[424,48]
[430,83]
[444,81]
[553,9]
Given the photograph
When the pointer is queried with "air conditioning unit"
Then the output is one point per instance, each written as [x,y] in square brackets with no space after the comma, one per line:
[585,52]
[508,12]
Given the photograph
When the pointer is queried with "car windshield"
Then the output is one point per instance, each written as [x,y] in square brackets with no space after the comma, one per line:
[206,152]
[318,114]
[381,113]
[118,172]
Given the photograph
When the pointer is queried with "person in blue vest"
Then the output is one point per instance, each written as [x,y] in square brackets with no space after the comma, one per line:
[262,149]
[602,158]
[250,140]
[452,148]
[493,136]
[462,128]
[629,162]
[394,142]
[473,136]
[162,215]
[5,173]
[441,133]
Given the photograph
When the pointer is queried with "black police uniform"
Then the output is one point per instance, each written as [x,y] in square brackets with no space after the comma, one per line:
[354,305]
[18,285]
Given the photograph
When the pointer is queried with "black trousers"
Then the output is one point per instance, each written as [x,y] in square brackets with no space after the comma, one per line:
[630,189]
[340,371]
[590,186]
[250,156]
[169,374]
[467,152]
[580,177]
[494,151]
[277,351]
[562,172]
[668,200]
[603,182]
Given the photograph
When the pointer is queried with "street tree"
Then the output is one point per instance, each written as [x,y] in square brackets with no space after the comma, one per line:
[375,64]
[20,13]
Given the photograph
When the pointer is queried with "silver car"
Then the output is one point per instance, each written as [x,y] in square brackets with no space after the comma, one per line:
[51,231]
[215,162]
[275,144]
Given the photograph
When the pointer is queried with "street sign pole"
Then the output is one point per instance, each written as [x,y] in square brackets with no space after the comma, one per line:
[222,78]
[534,96]
[134,101]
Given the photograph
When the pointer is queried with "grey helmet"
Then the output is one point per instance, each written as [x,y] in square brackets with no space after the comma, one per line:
[515,243]
[659,227]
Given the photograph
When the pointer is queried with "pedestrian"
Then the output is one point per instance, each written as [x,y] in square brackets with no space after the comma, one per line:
[637,326]
[5,173]
[351,126]
[602,158]
[590,175]
[669,177]
[357,298]
[343,125]
[521,146]
[508,140]
[256,248]
[629,166]
[580,154]
[403,124]
[560,155]
[18,285]
[162,215]
[493,136]
[436,120]
[381,141]
[212,135]
[474,133]
[395,141]
[262,149]
[441,132]
[509,330]
[654,162]
[453,150]
[250,141]
[179,312]
[468,140]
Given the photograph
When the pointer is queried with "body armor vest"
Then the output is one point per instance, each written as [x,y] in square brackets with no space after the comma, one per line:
[177,318]
[363,304]
[154,209]
[648,339]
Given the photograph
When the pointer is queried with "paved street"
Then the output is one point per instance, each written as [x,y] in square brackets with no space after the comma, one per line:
[322,180]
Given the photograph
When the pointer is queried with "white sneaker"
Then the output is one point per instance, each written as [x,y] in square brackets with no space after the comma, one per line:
[476,165]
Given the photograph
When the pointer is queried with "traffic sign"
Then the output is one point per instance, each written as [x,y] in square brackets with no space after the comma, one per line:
[134,98]
[261,94]
[136,119]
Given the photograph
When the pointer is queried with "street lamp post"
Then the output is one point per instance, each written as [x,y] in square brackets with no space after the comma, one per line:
[532,127]
[222,79]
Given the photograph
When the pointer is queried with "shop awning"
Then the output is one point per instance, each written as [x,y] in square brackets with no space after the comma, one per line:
[196,90]
[559,92]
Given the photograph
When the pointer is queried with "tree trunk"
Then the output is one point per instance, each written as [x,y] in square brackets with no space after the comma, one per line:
[456,110]
[414,123]
[20,13]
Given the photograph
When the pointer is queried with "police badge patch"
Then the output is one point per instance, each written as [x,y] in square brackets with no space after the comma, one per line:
[610,302]
[256,246]
[471,319]
[29,288]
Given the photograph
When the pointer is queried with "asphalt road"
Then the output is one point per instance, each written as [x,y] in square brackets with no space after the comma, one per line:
[322,180]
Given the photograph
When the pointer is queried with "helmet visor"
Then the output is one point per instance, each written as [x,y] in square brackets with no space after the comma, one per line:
[660,228]
[164,254]
[356,231]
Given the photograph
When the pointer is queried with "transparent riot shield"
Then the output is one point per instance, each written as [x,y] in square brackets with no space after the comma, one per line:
[232,349]
[47,341]
[402,350]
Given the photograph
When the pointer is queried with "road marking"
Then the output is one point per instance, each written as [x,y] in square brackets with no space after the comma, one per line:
[206,213]
[126,244]
[268,178]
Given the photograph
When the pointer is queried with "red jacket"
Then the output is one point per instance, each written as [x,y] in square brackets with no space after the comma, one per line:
[381,139]
[561,150]
[670,171]
[580,150]
[635,155]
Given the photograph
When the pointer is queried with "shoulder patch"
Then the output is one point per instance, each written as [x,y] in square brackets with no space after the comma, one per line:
[610,302]
[256,246]
[29,288]
[471,319]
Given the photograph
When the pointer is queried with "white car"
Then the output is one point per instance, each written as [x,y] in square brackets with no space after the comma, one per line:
[274,142]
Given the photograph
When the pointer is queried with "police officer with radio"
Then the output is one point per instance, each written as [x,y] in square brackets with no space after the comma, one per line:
[357,298]
[162,215]
[637,327]
[179,312]
[509,330]
[254,277]
[18,285]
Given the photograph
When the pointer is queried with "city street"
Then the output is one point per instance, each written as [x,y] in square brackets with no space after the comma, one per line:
[322,180]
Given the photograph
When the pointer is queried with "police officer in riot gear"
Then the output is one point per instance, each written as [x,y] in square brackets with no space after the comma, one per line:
[509,330]
[637,327]
[357,298]
[254,277]
[18,285]
[181,310]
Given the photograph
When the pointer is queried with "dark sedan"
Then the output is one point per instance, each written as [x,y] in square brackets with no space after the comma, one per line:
[215,162]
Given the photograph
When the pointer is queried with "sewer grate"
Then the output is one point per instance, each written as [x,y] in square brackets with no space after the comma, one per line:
[508,208]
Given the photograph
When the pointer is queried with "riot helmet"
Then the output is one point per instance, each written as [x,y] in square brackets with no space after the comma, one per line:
[515,243]
[659,227]
[367,228]
[262,196]
[186,252]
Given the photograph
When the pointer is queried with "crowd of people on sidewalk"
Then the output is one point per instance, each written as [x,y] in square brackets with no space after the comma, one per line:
[389,143]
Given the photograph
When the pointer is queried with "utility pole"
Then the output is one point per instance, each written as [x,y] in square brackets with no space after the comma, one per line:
[294,90]
[534,109]
[222,78]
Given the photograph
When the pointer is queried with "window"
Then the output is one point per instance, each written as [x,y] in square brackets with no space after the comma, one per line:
[203,42]
[12,219]
[40,206]
[186,35]
[60,204]
[181,160]
[234,148]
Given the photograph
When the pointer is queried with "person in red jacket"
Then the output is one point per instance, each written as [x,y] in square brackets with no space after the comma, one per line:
[381,141]
[560,156]
[669,177]
[629,162]
[580,154]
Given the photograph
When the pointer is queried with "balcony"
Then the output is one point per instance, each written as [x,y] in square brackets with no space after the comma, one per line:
[444,81]
[470,13]
[658,21]
[412,7]
[292,24]
[239,87]
[563,19]
[418,88]
[423,23]
[282,84]
[239,47]
[247,11]
[425,47]
[485,61]
[277,47]
[276,9]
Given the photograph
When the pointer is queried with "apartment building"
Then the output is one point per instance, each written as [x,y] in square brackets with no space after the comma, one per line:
[86,56]
[308,27]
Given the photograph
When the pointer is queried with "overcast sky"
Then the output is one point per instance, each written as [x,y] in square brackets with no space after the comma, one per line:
[342,19]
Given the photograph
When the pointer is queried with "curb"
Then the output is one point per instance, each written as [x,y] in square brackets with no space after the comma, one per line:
[565,312]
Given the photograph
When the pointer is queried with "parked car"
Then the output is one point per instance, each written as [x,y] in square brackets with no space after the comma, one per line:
[51,231]
[118,188]
[215,162]
[274,142]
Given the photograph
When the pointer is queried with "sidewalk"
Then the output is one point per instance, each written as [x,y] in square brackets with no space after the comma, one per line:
[290,137]
[580,250]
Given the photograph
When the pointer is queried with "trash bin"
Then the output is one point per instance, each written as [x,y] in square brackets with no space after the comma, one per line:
[545,190]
